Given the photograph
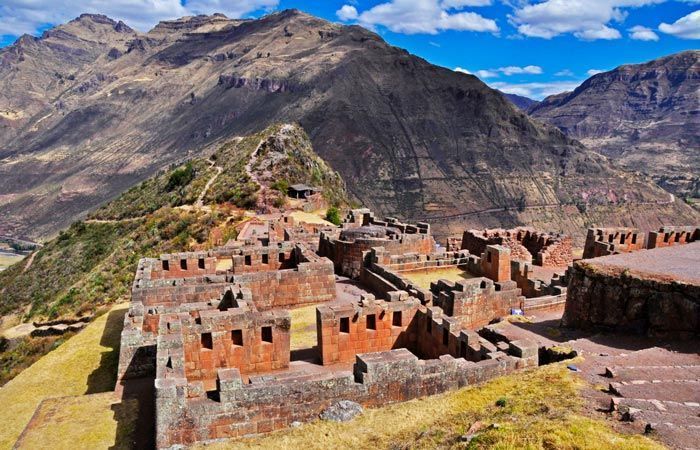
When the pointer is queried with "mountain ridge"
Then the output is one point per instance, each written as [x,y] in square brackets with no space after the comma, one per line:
[409,138]
[644,116]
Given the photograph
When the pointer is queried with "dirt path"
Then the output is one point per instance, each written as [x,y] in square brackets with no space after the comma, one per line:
[200,200]
[29,261]
[249,166]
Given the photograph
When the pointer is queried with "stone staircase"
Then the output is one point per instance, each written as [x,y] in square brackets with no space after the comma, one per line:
[661,399]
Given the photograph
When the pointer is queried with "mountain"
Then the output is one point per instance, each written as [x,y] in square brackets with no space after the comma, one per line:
[523,103]
[645,117]
[409,138]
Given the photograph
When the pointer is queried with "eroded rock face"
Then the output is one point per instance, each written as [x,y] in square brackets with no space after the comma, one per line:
[256,84]
[645,116]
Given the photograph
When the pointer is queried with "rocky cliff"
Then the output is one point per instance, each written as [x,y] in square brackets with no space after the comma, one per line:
[409,138]
[645,117]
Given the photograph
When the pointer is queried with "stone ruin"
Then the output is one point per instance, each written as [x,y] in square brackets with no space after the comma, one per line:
[213,328]
[360,232]
[525,244]
[612,241]
[655,292]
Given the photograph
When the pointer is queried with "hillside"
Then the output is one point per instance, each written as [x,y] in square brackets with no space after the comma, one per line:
[645,117]
[523,103]
[92,263]
[408,138]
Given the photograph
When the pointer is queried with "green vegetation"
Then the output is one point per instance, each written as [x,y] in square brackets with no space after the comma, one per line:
[542,410]
[179,186]
[281,186]
[24,353]
[180,177]
[333,216]
[93,264]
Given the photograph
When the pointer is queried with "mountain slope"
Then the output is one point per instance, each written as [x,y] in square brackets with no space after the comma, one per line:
[409,138]
[521,102]
[645,116]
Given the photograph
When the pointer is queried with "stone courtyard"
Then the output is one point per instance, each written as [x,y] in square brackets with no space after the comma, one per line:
[211,331]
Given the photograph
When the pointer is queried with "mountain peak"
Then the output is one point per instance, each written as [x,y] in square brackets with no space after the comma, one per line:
[644,115]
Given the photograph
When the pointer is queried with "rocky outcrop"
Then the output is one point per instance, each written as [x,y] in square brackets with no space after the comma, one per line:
[256,84]
[645,116]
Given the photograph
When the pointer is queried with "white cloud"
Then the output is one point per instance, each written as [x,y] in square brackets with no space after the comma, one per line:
[564,73]
[592,72]
[640,33]
[507,71]
[434,44]
[27,16]
[457,4]
[536,91]
[585,19]
[346,13]
[687,27]
[486,74]
[515,70]
[603,32]
[462,70]
[421,16]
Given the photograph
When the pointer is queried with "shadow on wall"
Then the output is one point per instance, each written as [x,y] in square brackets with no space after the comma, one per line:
[104,377]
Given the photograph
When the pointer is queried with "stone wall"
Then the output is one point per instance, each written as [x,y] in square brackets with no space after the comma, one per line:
[302,278]
[523,274]
[525,244]
[668,236]
[346,248]
[272,402]
[621,301]
[608,241]
[251,341]
[495,263]
[475,302]
[370,326]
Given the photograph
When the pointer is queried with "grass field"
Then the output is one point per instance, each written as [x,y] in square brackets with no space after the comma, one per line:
[82,422]
[315,217]
[85,363]
[7,259]
[303,332]
[542,410]
[424,277]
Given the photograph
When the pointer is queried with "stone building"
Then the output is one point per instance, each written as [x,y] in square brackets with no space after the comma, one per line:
[213,329]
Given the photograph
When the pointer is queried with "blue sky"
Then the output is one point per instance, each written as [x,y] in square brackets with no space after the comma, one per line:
[528,47]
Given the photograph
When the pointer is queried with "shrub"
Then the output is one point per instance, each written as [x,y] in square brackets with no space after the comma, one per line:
[333,215]
[180,177]
[281,186]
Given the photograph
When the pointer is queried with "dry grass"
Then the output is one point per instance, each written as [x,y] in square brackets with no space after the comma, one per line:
[6,260]
[83,364]
[224,264]
[303,332]
[424,277]
[542,411]
[86,421]
[317,217]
